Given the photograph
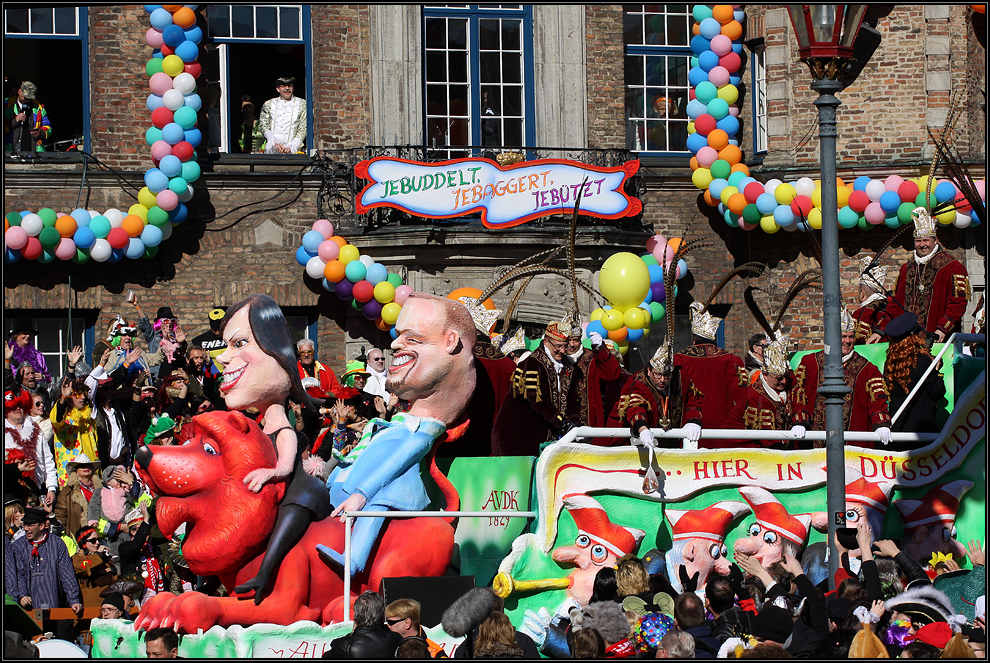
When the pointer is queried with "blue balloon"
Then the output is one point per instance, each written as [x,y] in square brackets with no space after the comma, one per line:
[84,237]
[154,101]
[699,44]
[737,48]
[682,265]
[151,8]
[860,183]
[735,79]
[784,215]
[695,142]
[766,203]
[634,335]
[194,34]
[161,19]
[729,125]
[596,327]
[716,187]
[311,241]
[803,226]
[24,213]
[695,109]
[187,51]
[708,60]
[394,334]
[710,28]
[738,15]
[116,255]
[193,136]
[134,248]
[733,141]
[170,165]
[890,201]
[179,214]
[172,133]
[329,286]
[11,255]
[81,216]
[656,273]
[193,101]
[744,182]
[649,297]
[944,192]
[376,273]
[156,180]
[697,75]
[173,35]
[157,54]
[303,256]
[151,236]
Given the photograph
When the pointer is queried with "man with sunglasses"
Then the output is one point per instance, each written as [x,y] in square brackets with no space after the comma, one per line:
[310,368]
[402,617]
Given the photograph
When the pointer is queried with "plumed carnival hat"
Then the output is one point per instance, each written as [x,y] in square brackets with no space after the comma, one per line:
[573,322]
[703,323]
[775,356]
[923,604]
[710,523]
[354,368]
[939,506]
[509,343]
[924,224]
[591,520]
[131,517]
[20,400]
[901,326]
[216,318]
[484,318]
[663,358]
[119,327]
[284,80]
[874,277]
[20,325]
[772,515]
[846,322]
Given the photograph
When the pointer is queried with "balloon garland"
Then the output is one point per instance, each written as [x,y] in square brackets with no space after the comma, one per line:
[746,203]
[343,270]
[113,235]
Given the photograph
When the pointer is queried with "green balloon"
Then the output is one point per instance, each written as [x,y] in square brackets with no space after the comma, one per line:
[721,169]
[178,185]
[13,218]
[649,260]
[191,171]
[49,237]
[150,252]
[153,67]
[751,214]
[355,305]
[46,256]
[157,216]
[921,200]
[904,212]
[862,224]
[82,255]
[656,312]
[48,216]
[395,280]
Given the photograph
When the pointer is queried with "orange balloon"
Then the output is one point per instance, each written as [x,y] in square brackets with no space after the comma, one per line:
[381,324]
[66,226]
[619,334]
[733,30]
[717,139]
[694,163]
[340,241]
[739,168]
[674,243]
[132,225]
[696,29]
[979,9]
[708,198]
[171,9]
[839,182]
[737,203]
[730,153]
[184,17]
[474,293]
[334,271]
[722,13]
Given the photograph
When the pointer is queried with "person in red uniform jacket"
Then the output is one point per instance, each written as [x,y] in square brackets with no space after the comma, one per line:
[594,370]
[659,396]
[933,285]
[871,317]
[720,375]
[768,403]
[309,367]
[865,407]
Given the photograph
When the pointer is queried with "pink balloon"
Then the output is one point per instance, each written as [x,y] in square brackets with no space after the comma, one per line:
[653,242]
[744,226]
[15,238]
[66,249]
[734,110]
[328,250]
[168,200]
[402,294]
[981,188]
[722,45]
[160,149]
[892,182]
[874,214]
[325,228]
[707,156]
[718,76]
[160,83]
[154,38]
[666,254]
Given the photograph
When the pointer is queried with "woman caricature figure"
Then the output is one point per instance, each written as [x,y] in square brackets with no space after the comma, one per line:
[259,370]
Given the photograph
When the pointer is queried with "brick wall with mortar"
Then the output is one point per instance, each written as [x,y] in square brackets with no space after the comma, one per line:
[341,80]
[606,91]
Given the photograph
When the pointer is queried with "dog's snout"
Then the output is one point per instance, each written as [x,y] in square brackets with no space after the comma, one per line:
[143,457]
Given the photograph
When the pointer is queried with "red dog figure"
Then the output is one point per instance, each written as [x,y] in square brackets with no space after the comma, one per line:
[201,483]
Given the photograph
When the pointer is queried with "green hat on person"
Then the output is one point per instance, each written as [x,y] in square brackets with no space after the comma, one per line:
[963,587]
[159,427]
[353,368]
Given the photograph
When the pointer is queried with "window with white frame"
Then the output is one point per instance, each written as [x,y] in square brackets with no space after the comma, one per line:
[49,46]
[249,47]
[759,74]
[478,76]
[657,60]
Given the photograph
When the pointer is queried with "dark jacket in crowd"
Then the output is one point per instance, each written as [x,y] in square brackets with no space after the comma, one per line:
[705,643]
[365,642]
[804,638]
[523,641]
[732,623]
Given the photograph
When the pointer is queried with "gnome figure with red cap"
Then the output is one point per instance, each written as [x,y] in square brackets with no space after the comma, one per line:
[699,543]
[775,531]
[930,524]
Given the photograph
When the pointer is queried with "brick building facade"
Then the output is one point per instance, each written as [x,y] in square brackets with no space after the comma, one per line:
[364,71]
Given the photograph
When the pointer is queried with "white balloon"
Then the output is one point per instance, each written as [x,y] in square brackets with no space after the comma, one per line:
[32,225]
[101,250]
[187,195]
[790,227]
[184,83]
[874,190]
[166,231]
[962,220]
[805,186]
[367,261]
[315,267]
[93,213]
[173,100]
[114,216]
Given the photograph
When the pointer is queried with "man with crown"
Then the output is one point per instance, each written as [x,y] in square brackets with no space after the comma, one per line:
[865,407]
[720,375]
[595,380]
[659,396]
[933,285]
[768,403]
[871,316]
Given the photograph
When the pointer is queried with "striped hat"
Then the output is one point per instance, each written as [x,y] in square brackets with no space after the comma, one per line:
[709,523]
[869,494]
[592,521]
[772,515]
[939,506]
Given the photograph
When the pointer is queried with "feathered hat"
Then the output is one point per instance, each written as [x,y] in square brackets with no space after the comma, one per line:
[775,356]
[509,343]
[484,318]
[846,322]
[662,361]
[924,224]
[873,277]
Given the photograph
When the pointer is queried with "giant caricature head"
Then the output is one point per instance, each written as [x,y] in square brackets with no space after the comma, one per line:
[775,531]
[930,524]
[698,541]
[598,544]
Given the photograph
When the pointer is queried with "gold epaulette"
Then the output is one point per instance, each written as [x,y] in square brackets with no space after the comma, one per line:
[961,287]
[757,418]
[526,381]
[877,387]
[800,374]
[629,400]
[742,376]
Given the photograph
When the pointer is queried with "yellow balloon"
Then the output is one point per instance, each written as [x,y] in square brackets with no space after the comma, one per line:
[172,65]
[784,193]
[612,319]
[727,192]
[390,312]
[946,217]
[635,318]
[384,292]
[646,331]
[624,280]
[691,127]
[622,347]
[815,218]
[139,210]
[701,178]
[597,314]
[348,252]
[768,224]
[816,198]
[729,93]
[146,198]
[842,196]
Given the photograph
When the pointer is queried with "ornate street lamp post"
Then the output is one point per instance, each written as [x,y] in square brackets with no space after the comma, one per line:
[825,35]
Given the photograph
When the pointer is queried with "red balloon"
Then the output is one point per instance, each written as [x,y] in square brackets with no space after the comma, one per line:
[363,291]
[161,116]
[801,206]
[705,124]
[167,50]
[691,95]
[908,191]
[193,68]
[753,191]
[33,249]
[118,238]
[730,61]
[858,201]
[183,150]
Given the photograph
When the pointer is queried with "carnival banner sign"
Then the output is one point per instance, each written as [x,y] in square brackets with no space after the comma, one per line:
[505,196]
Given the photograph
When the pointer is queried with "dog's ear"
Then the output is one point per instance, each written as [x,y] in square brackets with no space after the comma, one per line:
[239,421]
